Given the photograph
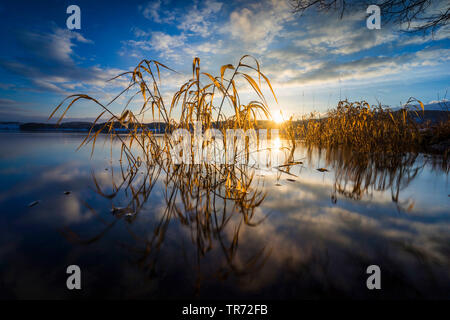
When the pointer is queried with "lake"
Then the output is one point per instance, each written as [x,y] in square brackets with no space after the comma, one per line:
[298,233]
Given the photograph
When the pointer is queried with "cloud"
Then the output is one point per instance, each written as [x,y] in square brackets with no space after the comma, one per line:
[207,29]
[216,47]
[197,23]
[341,37]
[440,34]
[316,53]
[6,86]
[12,110]
[257,24]
[153,11]
[196,19]
[444,100]
[166,45]
[172,47]
[50,62]
[369,68]
[53,47]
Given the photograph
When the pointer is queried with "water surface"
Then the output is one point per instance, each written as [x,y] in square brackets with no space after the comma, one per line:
[309,234]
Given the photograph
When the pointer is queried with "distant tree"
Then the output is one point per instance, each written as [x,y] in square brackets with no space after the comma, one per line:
[415,15]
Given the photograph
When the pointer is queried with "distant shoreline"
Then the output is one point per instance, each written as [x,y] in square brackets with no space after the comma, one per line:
[433,116]
[69,127]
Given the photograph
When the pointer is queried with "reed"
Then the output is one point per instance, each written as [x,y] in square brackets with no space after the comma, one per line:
[364,128]
[203,99]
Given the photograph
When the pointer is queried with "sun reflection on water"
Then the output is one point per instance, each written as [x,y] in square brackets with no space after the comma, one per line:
[276,144]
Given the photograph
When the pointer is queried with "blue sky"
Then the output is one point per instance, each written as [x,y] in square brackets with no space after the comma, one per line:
[312,61]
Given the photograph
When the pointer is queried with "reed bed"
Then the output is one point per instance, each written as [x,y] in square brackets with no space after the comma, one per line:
[364,128]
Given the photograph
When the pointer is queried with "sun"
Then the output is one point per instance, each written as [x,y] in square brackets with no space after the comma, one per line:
[276,144]
[278,117]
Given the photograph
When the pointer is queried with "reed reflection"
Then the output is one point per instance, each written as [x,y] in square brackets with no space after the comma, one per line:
[208,199]
[359,174]
[214,203]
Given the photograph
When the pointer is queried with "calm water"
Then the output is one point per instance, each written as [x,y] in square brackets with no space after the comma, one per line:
[311,236]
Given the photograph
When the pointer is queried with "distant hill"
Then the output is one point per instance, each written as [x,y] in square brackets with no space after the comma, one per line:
[434,112]
[7,126]
[83,126]
[433,116]
[438,106]
[66,126]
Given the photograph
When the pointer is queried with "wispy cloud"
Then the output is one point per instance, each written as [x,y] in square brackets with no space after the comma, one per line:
[50,62]
[256,24]
[197,19]
[153,11]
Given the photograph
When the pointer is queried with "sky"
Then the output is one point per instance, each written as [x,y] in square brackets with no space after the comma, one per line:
[313,60]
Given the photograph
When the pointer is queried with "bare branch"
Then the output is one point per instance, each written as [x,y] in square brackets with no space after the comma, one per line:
[416,15]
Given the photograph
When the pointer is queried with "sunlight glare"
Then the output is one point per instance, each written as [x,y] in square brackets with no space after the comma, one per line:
[278,118]
[276,143]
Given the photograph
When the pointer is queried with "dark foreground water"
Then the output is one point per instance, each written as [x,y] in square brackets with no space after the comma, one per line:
[311,236]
